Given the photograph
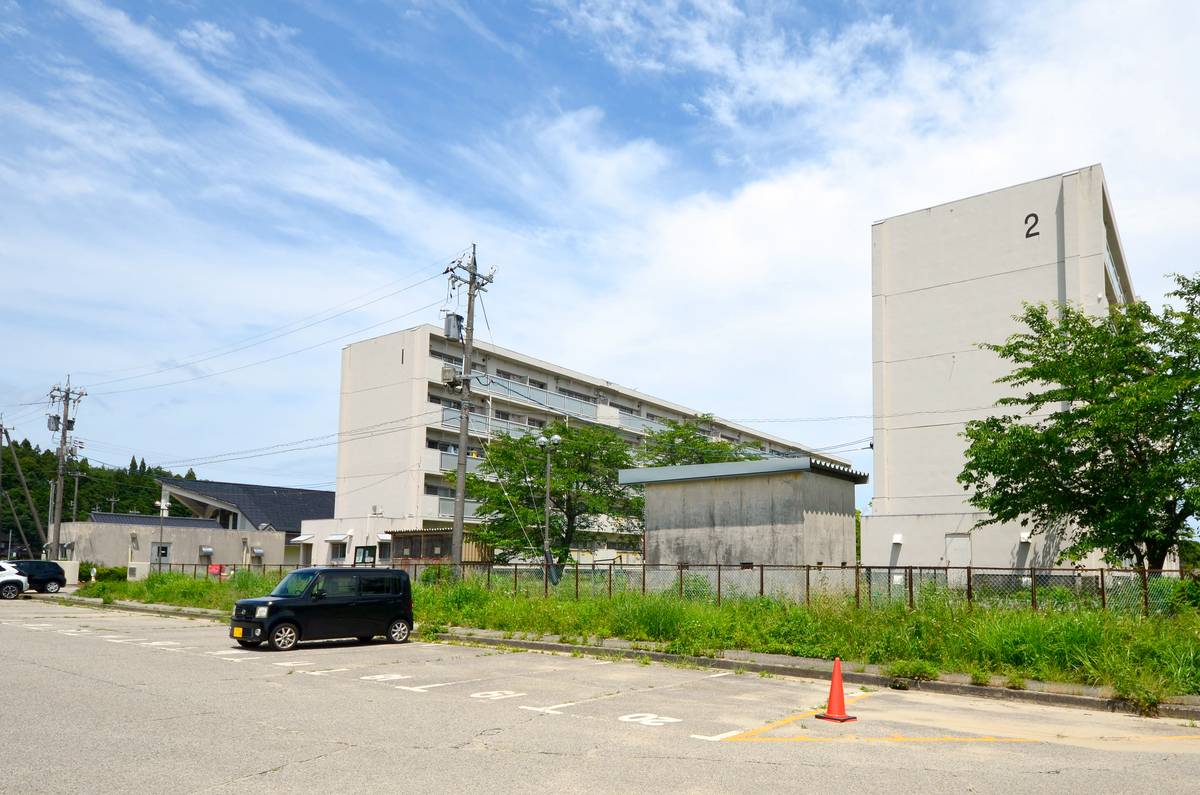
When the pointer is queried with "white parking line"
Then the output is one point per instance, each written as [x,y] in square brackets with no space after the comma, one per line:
[160,643]
[384,677]
[715,676]
[296,664]
[123,640]
[227,652]
[323,671]
[424,688]
[716,737]
[37,627]
[497,695]
[552,710]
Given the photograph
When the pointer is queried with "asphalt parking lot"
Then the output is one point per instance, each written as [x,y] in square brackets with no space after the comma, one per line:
[130,702]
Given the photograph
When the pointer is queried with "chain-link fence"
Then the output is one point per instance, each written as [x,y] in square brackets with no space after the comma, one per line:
[1117,590]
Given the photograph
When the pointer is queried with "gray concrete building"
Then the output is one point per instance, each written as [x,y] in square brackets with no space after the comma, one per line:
[790,511]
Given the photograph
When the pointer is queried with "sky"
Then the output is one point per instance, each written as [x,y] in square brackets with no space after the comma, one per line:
[202,202]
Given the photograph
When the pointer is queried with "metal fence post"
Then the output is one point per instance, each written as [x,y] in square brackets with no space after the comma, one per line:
[643,576]
[576,580]
[1033,587]
[514,579]
[807,584]
[681,581]
[857,587]
[910,588]
[718,585]
[1145,592]
[488,576]
[1103,592]
[545,579]
[610,568]
[870,588]
[970,588]
[761,579]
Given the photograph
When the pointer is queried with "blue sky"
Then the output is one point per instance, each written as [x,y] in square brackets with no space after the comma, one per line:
[676,196]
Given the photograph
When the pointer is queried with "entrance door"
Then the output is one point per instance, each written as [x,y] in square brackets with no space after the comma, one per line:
[958,557]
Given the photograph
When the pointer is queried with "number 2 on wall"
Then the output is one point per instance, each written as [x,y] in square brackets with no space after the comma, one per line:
[1032,221]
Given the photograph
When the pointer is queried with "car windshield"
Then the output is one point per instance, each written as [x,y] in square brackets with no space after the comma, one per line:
[294,584]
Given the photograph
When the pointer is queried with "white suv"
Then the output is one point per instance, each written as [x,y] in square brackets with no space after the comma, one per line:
[12,582]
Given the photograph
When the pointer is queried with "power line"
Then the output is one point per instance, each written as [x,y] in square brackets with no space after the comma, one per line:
[269,359]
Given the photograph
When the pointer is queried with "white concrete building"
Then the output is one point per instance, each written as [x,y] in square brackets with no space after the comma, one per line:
[944,280]
[399,437]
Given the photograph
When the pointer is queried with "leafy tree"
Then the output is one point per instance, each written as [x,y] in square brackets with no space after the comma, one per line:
[687,442]
[141,470]
[1106,449]
[511,489]
[190,475]
[133,465]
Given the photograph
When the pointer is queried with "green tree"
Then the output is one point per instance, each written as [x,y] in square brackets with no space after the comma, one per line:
[133,465]
[511,489]
[1106,449]
[190,474]
[687,442]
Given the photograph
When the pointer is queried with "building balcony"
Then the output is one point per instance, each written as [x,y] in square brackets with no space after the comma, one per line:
[483,425]
[436,507]
[438,461]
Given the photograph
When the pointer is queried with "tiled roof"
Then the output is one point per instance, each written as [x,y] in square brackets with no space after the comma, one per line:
[281,507]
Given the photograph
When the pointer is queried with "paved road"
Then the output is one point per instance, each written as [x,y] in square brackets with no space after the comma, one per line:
[126,702]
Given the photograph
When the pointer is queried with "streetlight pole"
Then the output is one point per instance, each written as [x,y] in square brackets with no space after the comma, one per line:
[158,552]
[548,445]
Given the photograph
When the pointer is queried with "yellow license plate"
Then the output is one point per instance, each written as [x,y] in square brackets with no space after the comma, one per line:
[237,632]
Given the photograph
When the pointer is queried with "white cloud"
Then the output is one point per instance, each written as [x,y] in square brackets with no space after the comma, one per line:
[207,38]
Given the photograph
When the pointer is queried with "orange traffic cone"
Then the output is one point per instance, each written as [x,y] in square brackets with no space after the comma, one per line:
[835,710]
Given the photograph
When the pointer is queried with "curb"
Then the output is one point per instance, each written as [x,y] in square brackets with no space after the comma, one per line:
[135,607]
[811,671]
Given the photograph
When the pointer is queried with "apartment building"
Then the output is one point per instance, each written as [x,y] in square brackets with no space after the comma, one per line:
[944,280]
[399,438]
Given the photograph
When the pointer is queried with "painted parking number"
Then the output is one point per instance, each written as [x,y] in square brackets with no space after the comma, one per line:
[648,719]
[496,695]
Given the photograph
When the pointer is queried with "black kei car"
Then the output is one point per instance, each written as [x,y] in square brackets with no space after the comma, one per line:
[324,603]
[43,575]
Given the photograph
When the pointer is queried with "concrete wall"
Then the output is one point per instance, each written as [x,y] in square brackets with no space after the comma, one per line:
[786,518]
[120,544]
[944,280]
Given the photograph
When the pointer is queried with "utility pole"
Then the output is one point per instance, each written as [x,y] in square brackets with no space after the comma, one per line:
[112,504]
[67,396]
[33,511]
[8,549]
[75,496]
[464,273]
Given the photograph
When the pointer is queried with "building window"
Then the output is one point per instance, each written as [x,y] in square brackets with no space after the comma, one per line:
[510,376]
[445,357]
[409,546]
[337,552]
[438,491]
[624,409]
[503,415]
[443,401]
[571,393]
[385,550]
[536,423]
[536,384]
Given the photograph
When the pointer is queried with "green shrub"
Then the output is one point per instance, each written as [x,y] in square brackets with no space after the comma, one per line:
[435,574]
[112,573]
[1186,594]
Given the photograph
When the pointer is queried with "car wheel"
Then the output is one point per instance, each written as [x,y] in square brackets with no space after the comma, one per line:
[10,591]
[249,644]
[284,637]
[398,631]
[365,638]
[51,587]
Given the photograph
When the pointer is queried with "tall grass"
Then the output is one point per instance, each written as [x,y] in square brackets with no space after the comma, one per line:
[181,589]
[1144,660]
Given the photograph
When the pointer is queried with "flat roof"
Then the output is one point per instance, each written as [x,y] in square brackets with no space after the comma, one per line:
[738,469]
